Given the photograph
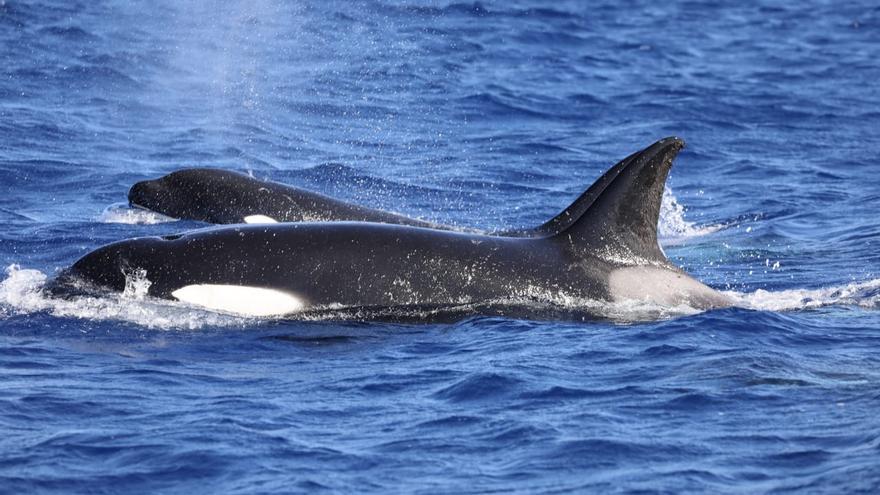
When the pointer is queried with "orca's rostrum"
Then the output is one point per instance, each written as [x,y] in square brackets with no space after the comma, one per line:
[603,247]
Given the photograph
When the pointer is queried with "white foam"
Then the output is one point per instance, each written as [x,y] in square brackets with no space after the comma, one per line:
[673,226]
[122,213]
[259,219]
[865,294]
[21,293]
[239,299]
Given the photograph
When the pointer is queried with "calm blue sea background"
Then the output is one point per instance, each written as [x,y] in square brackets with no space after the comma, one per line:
[492,114]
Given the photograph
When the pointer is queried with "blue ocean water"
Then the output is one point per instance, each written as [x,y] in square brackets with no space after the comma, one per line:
[492,114]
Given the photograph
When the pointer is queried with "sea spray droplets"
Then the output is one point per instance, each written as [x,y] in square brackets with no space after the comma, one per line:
[672,224]
[136,284]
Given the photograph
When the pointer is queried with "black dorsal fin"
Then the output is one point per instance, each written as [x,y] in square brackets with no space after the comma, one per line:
[577,208]
[621,221]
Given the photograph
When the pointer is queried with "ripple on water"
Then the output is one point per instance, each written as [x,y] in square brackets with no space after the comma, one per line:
[480,387]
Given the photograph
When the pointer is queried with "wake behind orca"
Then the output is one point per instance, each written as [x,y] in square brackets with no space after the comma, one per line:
[606,251]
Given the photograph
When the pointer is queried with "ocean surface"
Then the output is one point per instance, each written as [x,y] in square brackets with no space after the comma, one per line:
[488,115]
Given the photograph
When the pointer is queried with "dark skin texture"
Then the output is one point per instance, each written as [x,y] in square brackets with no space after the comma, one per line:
[357,264]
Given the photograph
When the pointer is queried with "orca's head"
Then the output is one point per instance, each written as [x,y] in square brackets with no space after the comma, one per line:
[112,268]
[189,194]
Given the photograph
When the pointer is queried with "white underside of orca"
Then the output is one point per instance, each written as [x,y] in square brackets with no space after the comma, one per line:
[259,219]
[661,286]
[240,299]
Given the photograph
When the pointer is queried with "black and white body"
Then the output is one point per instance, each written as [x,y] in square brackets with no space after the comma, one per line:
[606,250]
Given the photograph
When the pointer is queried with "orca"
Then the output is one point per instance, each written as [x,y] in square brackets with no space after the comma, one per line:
[606,251]
[225,197]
